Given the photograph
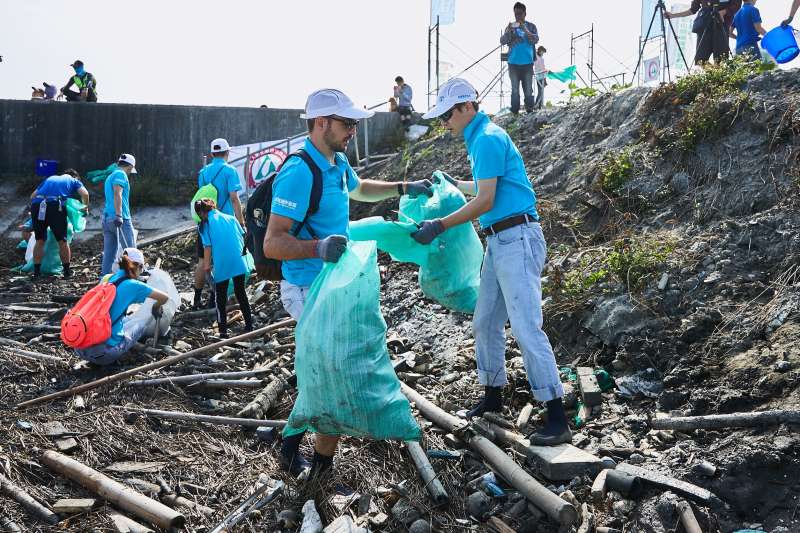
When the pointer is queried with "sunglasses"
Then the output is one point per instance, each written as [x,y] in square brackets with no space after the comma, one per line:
[346,122]
[447,115]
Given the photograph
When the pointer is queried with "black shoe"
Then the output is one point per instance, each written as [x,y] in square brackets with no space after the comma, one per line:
[492,401]
[67,273]
[321,465]
[294,464]
[556,430]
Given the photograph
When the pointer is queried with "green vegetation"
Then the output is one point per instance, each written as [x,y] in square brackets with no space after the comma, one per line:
[615,170]
[579,93]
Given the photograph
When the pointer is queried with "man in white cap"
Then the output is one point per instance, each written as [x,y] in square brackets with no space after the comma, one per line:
[505,205]
[225,180]
[302,240]
[117,211]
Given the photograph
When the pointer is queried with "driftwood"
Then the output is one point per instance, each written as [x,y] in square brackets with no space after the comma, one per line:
[168,496]
[167,236]
[202,313]
[677,486]
[35,356]
[427,473]
[689,521]
[734,420]
[265,400]
[254,502]
[125,497]
[559,510]
[40,328]
[127,525]
[155,365]
[27,501]
[228,383]
[209,419]
[7,526]
[194,378]
[524,416]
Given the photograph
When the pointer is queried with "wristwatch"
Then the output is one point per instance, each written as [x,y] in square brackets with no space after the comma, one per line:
[400,189]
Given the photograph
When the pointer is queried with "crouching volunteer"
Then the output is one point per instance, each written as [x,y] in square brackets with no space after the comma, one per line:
[510,289]
[130,290]
[49,210]
[304,239]
[223,243]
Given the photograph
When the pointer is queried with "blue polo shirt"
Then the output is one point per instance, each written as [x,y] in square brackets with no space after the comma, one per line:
[58,187]
[520,50]
[225,236]
[226,180]
[744,22]
[492,154]
[130,291]
[118,177]
[291,193]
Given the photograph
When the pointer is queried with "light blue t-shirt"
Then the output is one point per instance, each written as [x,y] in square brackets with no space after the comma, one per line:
[118,177]
[492,154]
[744,22]
[130,291]
[64,186]
[520,46]
[291,193]
[225,178]
[225,236]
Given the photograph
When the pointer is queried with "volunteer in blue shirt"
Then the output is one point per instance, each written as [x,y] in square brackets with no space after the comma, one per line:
[332,123]
[226,180]
[49,210]
[223,243]
[510,289]
[748,28]
[117,211]
[130,290]
[521,36]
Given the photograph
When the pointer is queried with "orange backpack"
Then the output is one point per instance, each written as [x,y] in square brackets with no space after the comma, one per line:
[89,322]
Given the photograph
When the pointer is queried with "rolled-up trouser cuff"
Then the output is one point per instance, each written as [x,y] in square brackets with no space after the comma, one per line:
[548,393]
[492,379]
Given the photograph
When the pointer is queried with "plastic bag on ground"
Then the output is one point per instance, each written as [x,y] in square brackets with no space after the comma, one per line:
[162,281]
[346,382]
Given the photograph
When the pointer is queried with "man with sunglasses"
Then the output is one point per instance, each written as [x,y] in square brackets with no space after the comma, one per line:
[332,123]
[505,205]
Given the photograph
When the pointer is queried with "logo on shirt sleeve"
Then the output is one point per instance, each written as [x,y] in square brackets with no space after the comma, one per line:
[288,204]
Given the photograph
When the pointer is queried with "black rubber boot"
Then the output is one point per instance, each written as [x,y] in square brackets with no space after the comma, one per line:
[556,429]
[197,304]
[67,271]
[321,464]
[292,460]
[492,401]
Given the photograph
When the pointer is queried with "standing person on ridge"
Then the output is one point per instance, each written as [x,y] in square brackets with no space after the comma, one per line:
[302,241]
[226,180]
[223,242]
[520,36]
[117,211]
[510,288]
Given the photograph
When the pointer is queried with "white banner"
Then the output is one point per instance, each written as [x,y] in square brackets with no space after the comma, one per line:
[444,10]
[265,158]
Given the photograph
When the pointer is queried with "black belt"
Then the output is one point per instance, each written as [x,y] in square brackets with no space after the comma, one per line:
[506,223]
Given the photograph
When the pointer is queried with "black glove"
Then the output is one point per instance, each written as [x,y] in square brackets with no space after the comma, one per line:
[417,188]
[118,221]
[428,230]
[331,248]
[157,311]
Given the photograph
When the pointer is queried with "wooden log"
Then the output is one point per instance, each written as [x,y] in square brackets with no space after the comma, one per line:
[556,508]
[125,497]
[27,501]
[689,521]
[524,416]
[733,420]
[155,365]
[31,309]
[167,496]
[210,419]
[192,378]
[202,313]
[127,525]
[34,356]
[428,474]
[683,488]
[497,525]
[265,400]
[228,384]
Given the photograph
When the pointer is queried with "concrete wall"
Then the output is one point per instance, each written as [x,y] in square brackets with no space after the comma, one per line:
[168,141]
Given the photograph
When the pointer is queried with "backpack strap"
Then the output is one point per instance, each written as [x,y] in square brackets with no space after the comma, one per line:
[116,283]
[316,190]
[213,182]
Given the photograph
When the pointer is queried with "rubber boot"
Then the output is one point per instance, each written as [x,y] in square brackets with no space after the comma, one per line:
[492,401]
[291,459]
[556,429]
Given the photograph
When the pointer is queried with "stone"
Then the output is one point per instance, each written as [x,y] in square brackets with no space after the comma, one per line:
[590,389]
[563,462]
[66,445]
[405,513]
[478,504]
[420,526]
[599,487]
[783,366]
[343,524]
[72,506]
[379,520]
[265,434]
[636,459]
[623,507]
[679,183]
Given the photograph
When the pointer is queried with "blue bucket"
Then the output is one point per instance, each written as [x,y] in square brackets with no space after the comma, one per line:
[781,44]
[46,167]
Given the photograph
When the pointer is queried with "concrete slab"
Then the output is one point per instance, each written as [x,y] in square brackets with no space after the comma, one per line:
[72,506]
[590,389]
[66,445]
[562,462]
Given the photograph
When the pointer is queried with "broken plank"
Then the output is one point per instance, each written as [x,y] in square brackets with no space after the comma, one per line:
[265,400]
[27,501]
[123,524]
[126,467]
[66,445]
[210,419]
[73,505]
[27,354]
[590,389]
[688,490]
[198,377]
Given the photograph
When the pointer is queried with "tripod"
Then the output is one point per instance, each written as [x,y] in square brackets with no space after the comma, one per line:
[659,10]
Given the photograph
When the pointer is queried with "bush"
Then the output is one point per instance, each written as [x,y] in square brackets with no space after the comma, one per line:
[615,170]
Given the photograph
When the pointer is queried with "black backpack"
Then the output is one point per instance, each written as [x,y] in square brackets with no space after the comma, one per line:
[257,214]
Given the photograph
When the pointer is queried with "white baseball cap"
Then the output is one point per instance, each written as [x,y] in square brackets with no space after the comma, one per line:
[327,102]
[129,159]
[455,91]
[219,145]
[134,254]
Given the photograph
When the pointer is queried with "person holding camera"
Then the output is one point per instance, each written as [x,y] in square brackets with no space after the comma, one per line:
[712,26]
[520,36]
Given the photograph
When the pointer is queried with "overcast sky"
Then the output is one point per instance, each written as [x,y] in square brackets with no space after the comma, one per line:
[248,53]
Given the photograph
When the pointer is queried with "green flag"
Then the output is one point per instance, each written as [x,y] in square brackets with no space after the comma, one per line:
[568,74]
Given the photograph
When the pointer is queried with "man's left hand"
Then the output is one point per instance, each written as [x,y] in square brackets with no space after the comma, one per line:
[428,230]
[415,188]
[157,311]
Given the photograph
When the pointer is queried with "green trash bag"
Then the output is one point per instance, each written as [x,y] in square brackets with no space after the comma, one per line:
[392,237]
[346,382]
[452,273]
[51,261]
[96,176]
